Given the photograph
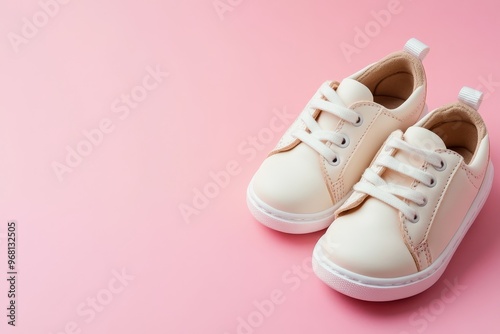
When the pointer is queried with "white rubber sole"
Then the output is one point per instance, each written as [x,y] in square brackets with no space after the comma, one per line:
[289,222]
[386,289]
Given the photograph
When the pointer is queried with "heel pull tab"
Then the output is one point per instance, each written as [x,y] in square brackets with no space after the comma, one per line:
[470,97]
[416,48]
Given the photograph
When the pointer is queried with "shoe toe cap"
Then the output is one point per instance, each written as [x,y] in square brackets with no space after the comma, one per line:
[368,242]
[292,182]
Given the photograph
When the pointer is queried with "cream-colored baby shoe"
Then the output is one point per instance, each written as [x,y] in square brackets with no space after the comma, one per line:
[311,171]
[395,235]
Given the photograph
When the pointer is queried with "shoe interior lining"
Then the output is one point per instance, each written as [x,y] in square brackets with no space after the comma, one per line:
[394,79]
[460,128]
[459,136]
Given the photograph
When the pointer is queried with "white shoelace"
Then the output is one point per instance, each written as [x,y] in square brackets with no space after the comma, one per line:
[395,195]
[316,138]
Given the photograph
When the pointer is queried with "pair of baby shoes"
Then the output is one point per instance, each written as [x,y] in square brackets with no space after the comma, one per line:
[396,191]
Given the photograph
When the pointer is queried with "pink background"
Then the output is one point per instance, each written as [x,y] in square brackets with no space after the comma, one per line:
[118,209]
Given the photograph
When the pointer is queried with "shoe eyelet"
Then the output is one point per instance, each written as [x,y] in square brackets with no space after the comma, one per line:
[424,202]
[415,218]
[345,142]
[335,161]
[441,167]
[432,182]
[359,121]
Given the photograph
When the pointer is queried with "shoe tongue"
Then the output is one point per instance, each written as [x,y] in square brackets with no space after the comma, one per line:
[351,91]
[423,138]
